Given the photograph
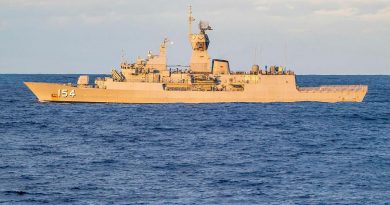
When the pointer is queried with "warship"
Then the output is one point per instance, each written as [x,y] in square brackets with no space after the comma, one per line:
[205,80]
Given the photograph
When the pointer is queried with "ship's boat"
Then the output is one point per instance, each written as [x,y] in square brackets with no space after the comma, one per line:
[150,80]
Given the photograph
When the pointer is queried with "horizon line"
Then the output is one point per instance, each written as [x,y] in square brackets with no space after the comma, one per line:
[109,74]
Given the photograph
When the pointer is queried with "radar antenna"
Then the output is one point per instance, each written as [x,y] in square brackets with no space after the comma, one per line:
[204,25]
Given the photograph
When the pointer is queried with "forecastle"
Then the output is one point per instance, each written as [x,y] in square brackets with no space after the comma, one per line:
[150,80]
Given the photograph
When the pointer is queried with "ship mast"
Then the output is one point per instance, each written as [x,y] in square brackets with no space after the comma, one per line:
[200,59]
[190,20]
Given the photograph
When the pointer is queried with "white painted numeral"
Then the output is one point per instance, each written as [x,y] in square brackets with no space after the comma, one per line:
[71,93]
[65,93]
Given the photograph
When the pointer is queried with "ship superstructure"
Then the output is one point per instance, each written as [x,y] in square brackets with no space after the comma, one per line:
[150,80]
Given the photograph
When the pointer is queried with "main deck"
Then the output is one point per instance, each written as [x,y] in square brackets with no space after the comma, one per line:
[49,92]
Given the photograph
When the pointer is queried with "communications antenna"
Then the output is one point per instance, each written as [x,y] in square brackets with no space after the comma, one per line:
[285,54]
[255,56]
[123,56]
[190,20]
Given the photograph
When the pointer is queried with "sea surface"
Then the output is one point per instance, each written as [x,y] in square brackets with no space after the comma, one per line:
[229,153]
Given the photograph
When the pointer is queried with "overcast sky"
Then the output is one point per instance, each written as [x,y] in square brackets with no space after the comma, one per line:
[87,36]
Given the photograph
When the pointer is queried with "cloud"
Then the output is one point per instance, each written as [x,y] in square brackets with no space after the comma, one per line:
[345,12]
[86,12]
[320,7]
[262,8]
[3,24]
[299,22]
[45,4]
[380,15]
[375,15]
[86,18]
[59,20]
[109,17]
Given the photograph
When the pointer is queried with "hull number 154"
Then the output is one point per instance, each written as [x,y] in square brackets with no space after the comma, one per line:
[66,93]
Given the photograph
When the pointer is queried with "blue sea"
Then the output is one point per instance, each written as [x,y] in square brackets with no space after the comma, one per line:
[229,153]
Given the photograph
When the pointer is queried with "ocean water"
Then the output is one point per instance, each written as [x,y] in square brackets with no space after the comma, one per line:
[231,153]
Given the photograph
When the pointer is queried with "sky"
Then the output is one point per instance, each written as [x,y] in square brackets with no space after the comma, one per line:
[88,36]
